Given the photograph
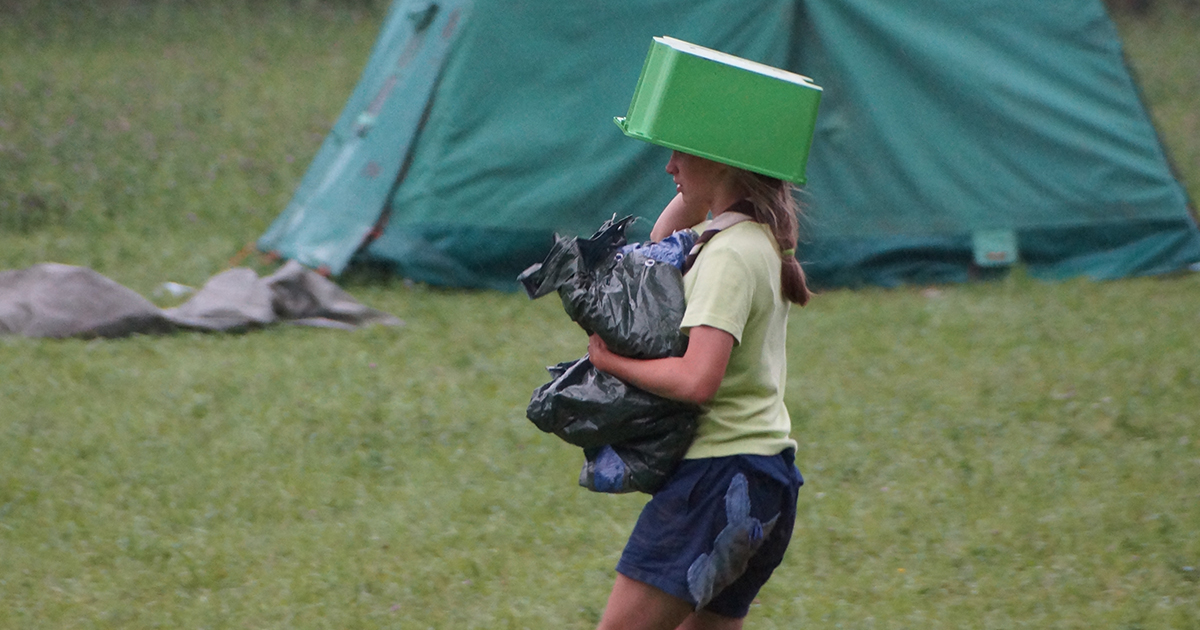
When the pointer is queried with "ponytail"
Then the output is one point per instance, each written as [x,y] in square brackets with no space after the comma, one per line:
[776,207]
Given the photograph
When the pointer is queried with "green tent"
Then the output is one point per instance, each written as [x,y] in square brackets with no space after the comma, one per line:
[955,137]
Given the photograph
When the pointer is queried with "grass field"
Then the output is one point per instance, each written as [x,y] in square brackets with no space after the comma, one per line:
[998,455]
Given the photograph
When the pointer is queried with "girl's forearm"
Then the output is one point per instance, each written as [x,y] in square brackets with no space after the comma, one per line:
[666,377]
[694,377]
[676,216]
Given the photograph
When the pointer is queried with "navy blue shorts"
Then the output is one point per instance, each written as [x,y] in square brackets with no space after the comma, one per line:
[718,528]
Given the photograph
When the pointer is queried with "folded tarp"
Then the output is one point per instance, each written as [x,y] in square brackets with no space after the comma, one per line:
[56,300]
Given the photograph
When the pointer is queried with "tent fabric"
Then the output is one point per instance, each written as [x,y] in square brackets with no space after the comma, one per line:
[520,141]
[60,301]
[942,122]
[338,203]
[942,119]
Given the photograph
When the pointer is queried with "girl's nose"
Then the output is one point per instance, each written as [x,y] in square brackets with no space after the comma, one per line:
[672,167]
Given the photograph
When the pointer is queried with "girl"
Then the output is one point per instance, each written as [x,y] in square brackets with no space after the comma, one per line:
[709,539]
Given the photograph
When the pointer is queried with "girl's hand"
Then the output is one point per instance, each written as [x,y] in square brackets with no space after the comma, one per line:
[598,352]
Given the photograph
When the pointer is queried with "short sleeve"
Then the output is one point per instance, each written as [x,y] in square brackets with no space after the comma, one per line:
[720,290]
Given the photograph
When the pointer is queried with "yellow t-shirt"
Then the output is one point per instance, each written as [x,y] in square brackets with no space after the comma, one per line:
[734,286]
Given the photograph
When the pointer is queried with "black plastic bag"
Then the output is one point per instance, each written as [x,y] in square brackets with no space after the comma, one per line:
[632,439]
[632,301]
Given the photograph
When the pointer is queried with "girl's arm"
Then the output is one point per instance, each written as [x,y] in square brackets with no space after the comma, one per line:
[676,216]
[694,377]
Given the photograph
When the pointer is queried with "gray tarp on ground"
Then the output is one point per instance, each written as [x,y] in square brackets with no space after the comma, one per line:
[56,300]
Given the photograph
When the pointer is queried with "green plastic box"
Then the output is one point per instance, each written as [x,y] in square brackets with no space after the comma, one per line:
[724,108]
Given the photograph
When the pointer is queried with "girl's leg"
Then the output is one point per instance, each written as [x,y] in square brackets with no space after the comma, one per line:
[705,620]
[635,605]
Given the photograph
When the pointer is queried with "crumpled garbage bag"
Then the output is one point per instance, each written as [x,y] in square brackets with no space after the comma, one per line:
[632,301]
[632,439]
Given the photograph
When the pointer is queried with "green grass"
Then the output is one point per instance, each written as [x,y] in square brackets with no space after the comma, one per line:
[1162,48]
[177,135]
[995,455]
[981,456]
[295,478]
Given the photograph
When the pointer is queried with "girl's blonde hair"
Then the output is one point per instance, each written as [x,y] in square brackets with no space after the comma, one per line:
[775,206]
